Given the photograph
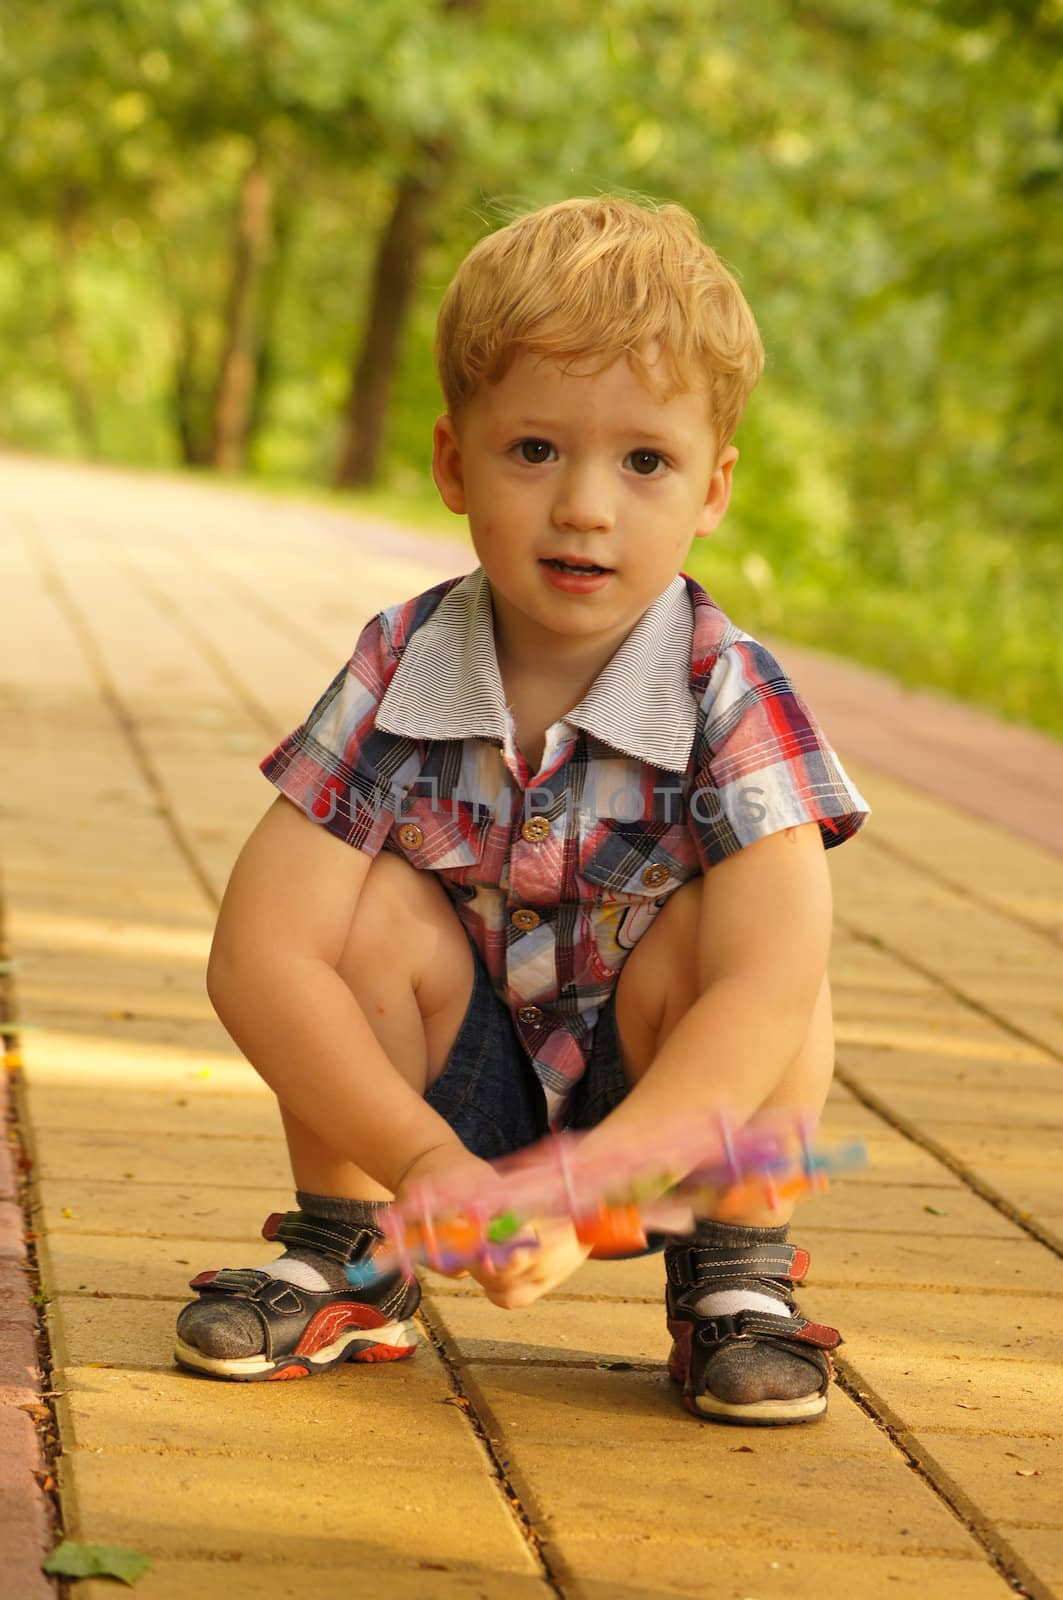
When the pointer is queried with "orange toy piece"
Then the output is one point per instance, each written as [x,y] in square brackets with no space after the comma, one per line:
[612,1231]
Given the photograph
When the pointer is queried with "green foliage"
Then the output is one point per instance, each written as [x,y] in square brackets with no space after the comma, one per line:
[885,176]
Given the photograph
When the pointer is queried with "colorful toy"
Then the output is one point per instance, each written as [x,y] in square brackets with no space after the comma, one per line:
[613,1204]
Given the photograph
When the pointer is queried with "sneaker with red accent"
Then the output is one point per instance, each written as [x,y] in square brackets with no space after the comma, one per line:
[725,1363]
[303,1331]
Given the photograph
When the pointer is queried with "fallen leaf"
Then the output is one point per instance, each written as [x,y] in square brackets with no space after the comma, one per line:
[741,1449]
[965,1405]
[204,1073]
[101,1294]
[39,1413]
[457,1400]
[1027,1472]
[68,1213]
[71,1560]
[935,1211]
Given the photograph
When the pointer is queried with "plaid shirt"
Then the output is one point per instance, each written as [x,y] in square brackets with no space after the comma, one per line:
[691,743]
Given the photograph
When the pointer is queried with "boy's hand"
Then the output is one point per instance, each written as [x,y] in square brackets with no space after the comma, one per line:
[528,1273]
[532,1272]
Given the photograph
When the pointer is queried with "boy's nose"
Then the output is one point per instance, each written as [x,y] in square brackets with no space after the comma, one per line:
[583,502]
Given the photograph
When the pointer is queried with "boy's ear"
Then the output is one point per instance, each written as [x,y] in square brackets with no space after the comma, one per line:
[718,497]
[447,466]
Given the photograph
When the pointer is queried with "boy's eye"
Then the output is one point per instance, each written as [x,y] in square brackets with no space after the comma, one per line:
[645,462]
[535,451]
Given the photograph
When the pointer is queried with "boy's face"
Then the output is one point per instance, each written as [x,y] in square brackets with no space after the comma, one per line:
[552,465]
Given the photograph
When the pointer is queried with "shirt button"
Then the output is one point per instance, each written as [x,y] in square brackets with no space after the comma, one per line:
[525,918]
[529,1014]
[534,829]
[410,836]
[654,876]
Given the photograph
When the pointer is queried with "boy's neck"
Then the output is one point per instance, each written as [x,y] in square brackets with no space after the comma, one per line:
[558,665]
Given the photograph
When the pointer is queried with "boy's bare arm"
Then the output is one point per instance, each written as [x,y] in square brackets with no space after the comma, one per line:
[272,979]
[763,941]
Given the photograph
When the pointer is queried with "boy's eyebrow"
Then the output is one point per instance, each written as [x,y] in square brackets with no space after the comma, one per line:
[653,435]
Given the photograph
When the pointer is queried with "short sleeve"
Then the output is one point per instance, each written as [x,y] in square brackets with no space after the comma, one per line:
[338,767]
[761,762]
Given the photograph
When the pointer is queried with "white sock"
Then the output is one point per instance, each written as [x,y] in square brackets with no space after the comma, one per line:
[301,1273]
[725,1302]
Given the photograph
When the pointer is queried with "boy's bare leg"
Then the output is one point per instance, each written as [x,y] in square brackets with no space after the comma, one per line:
[658,985]
[408,963]
[745,1379]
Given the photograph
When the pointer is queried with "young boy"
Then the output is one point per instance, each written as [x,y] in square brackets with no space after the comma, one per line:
[549,851]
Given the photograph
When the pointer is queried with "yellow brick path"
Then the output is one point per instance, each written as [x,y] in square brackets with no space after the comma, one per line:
[156,636]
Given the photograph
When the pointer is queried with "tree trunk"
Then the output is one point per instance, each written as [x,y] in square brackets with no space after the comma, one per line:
[234,386]
[398,255]
[271,289]
[73,357]
[187,395]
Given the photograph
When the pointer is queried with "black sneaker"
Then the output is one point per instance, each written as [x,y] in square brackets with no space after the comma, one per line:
[307,1331]
[710,1356]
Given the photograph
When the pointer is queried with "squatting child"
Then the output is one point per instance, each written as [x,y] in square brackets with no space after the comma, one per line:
[549,851]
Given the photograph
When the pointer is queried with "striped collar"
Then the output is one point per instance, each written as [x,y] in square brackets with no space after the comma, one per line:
[447,684]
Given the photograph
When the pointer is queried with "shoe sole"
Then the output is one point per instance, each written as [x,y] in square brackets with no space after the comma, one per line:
[390,1343]
[758,1413]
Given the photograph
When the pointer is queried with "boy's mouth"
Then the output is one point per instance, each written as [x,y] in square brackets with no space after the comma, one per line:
[588,568]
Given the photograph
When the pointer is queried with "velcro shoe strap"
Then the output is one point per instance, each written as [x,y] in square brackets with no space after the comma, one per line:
[247,1282]
[704,1265]
[327,1238]
[763,1325]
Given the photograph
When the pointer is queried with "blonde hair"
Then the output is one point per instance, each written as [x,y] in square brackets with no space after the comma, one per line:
[602,278]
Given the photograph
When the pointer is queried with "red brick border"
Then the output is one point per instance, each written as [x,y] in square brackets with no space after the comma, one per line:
[25,1512]
[1009,775]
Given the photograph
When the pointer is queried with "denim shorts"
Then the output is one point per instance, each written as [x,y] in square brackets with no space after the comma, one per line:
[488,1091]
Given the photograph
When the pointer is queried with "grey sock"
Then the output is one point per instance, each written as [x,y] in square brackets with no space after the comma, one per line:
[228,1330]
[742,1374]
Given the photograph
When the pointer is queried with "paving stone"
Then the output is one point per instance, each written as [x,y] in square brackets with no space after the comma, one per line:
[134,1057]
[314,1514]
[1002,1146]
[196,1109]
[401,1409]
[926,1211]
[247,1580]
[1016,1066]
[643,1566]
[996,1478]
[925,1323]
[1040,1548]
[941,1109]
[1016,1265]
[553,1330]
[693,1479]
[71,1206]
[165,1158]
[133,1265]
[962,1393]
